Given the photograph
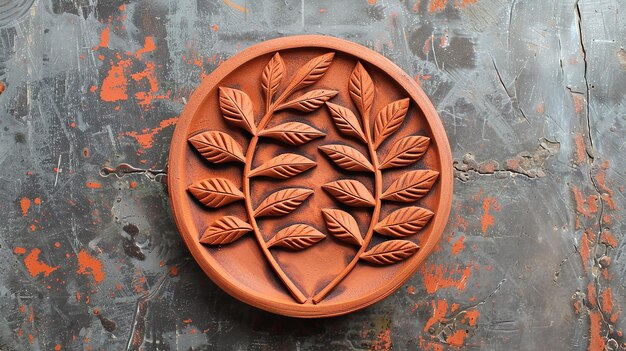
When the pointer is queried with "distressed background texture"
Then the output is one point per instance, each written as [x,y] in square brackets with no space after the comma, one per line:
[531,94]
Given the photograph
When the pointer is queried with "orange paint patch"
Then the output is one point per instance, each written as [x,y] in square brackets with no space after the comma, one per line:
[371,2]
[93,185]
[25,205]
[437,5]
[579,102]
[586,207]
[89,265]
[19,250]
[383,341]
[439,313]
[487,219]
[215,27]
[115,83]
[145,97]
[104,38]
[601,178]
[581,154]
[146,137]
[608,239]
[235,6]
[607,300]
[591,295]
[57,347]
[471,317]
[596,340]
[148,46]
[439,277]
[173,271]
[36,267]
[457,338]
[467,2]
[458,246]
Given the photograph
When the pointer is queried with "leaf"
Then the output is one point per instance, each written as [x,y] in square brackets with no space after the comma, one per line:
[411,186]
[350,192]
[390,252]
[404,222]
[362,90]
[217,147]
[236,107]
[273,74]
[225,231]
[346,121]
[405,151]
[309,101]
[347,158]
[342,226]
[389,119]
[292,133]
[283,166]
[282,202]
[215,192]
[296,237]
[310,73]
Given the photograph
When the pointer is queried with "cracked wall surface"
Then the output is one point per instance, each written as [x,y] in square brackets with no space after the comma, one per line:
[531,94]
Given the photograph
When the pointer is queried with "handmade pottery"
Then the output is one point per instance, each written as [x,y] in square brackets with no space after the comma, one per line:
[309,176]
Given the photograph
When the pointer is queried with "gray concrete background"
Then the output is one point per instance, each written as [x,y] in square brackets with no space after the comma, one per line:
[531,94]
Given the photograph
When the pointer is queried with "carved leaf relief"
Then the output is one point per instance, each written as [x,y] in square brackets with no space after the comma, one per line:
[215,192]
[236,108]
[404,222]
[411,186]
[217,147]
[292,133]
[283,166]
[347,158]
[350,192]
[296,237]
[342,226]
[390,252]
[225,231]
[282,202]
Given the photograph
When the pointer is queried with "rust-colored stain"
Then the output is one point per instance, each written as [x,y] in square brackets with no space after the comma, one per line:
[587,207]
[115,83]
[581,153]
[146,137]
[89,265]
[235,6]
[579,102]
[36,267]
[437,5]
[600,176]
[442,276]
[487,220]
[440,309]
[607,300]
[19,250]
[25,205]
[148,46]
[458,246]
[383,341]
[104,38]
[596,340]
[93,185]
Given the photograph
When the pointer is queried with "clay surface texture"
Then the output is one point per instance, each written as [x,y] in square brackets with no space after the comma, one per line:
[309,176]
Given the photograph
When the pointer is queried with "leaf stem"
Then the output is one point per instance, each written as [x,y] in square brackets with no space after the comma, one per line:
[378,184]
[293,289]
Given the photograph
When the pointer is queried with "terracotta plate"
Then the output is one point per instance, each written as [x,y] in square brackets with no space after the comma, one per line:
[309,176]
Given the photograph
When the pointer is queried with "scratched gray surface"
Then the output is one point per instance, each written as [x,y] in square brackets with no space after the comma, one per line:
[531,94]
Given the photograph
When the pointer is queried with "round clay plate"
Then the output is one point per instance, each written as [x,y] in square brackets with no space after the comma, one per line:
[309,176]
